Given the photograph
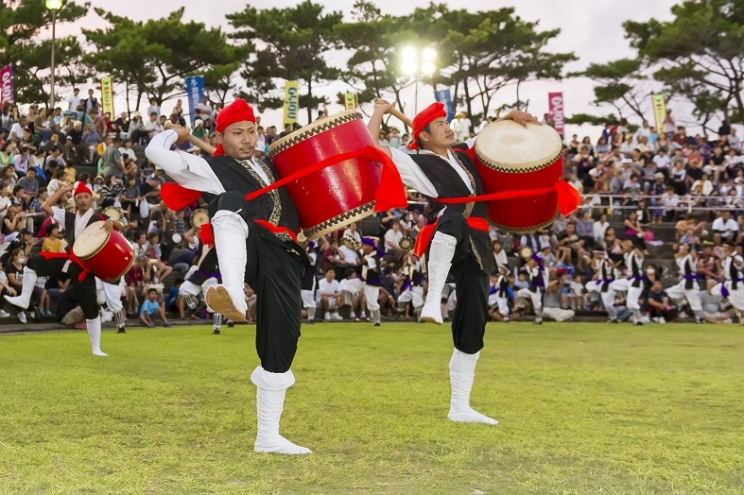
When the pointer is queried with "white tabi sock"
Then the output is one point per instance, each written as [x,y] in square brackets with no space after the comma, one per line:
[94,332]
[272,389]
[462,374]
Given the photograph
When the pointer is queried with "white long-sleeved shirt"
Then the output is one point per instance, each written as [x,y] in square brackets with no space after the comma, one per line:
[414,177]
[190,171]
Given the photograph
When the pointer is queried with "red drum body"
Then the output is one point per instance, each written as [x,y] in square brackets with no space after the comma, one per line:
[339,194]
[107,256]
[510,157]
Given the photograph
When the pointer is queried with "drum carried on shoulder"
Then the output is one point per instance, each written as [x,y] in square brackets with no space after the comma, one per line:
[511,157]
[339,194]
[107,256]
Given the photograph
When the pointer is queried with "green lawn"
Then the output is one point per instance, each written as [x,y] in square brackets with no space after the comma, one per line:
[584,409]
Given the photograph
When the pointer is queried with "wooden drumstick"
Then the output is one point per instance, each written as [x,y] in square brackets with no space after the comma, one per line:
[204,146]
[398,114]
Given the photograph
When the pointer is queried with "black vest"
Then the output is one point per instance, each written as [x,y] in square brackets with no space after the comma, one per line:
[449,184]
[606,274]
[234,177]
[373,275]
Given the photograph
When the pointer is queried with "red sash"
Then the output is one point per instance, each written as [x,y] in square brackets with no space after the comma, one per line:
[207,237]
[67,256]
[424,236]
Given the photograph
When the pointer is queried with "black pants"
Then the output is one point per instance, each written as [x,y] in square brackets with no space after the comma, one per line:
[85,290]
[471,286]
[274,270]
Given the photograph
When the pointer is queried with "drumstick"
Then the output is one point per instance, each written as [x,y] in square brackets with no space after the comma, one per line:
[192,139]
[397,114]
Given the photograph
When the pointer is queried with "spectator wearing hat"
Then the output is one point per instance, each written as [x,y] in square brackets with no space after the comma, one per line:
[199,131]
[137,131]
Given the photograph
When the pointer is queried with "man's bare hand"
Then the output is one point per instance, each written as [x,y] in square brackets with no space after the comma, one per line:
[383,106]
[108,226]
[521,118]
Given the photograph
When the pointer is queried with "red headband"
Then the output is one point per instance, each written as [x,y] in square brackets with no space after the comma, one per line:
[424,117]
[82,188]
[237,111]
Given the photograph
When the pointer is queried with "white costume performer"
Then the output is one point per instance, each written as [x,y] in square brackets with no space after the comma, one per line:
[634,281]
[605,285]
[538,278]
[413,288]
[687,287]
[732,287]
[111,295]
[499,296]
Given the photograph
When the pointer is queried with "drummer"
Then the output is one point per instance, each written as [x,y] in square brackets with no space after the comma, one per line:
[256,241]
[61,265]
[459,241]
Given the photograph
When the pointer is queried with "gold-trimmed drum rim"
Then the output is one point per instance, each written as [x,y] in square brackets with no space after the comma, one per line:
[406,243]
[517,230]
[339,221]
[310,130]
[551,156]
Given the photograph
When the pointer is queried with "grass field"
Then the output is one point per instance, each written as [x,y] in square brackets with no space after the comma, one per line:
[584,409]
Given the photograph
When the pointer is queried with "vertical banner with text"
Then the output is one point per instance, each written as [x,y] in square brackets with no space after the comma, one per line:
[107,96]
[291,101]
[556,112]
[195,94]
[6,85]
[445,96]
[659,112]
[350,101]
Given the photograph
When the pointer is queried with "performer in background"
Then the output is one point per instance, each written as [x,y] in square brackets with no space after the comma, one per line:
[501,292]
[309,281]
[199,279]
[110,295]
[604,283]
[63,265]
[256,241]
[412,289]
[687,287]
[731,288]
[633,257]
[372,276]
[537,276]
[457,242]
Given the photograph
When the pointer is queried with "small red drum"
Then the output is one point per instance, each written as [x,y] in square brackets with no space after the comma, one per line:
[107,256]
[339,194]
[511,157]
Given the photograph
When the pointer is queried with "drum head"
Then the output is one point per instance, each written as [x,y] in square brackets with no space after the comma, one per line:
[199,217]
[406,243]
[113,213]
[90,241]
[525,252]
[317,127]
[509,147]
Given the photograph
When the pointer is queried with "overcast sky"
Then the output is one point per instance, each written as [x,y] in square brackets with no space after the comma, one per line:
[592,30]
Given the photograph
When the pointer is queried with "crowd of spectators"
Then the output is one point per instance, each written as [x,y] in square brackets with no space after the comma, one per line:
[632,180]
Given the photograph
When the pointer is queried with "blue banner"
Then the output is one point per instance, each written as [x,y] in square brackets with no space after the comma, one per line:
[195,93]
[445,96]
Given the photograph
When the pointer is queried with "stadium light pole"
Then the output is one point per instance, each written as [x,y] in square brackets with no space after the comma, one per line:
[54,6]
[418,64]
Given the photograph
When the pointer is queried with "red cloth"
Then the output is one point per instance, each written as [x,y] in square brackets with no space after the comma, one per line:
[178,197]
[424,236]
[426,116]
[568,197]
[206,235]
[82,188]
[67,256]
[237,111]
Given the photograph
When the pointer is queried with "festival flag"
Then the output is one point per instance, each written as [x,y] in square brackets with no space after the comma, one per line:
[445,96]
[195,93]
[556,112]
[107,96]
[7,88]
[291,101]
[350,100]
[659,112]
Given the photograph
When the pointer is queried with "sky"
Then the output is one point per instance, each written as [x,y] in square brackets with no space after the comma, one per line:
[592,30]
